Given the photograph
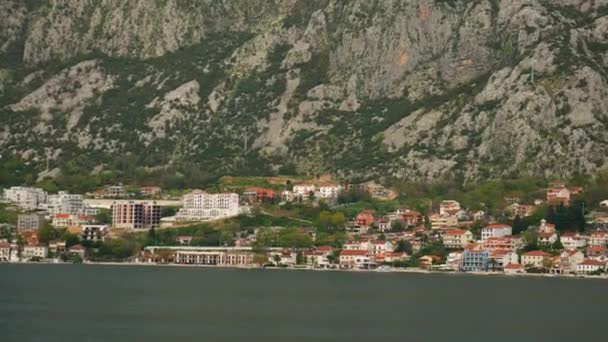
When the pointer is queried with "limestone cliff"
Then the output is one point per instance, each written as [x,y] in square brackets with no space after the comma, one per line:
[360,88]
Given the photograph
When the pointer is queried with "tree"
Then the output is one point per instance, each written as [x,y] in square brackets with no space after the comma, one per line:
[397,226]
[104,216]
[277,259]
[519,225]
[47,233]
[557,245]
[404,247]
[260,259]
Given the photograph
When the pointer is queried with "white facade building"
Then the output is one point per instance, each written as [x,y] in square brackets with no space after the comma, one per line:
[65,203]
[495,231]
[330,191]
[26,198]
[202,206]
[31,251]
[303,190]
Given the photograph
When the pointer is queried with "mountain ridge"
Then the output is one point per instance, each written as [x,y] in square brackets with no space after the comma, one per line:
[422,89]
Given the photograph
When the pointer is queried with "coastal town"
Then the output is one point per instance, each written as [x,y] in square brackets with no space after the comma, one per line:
[313,225]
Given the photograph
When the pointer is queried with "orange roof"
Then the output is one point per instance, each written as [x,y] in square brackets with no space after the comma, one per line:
[545,235]
[62,216]
[456,232]
[537,253]
[596,248]
[325,248]
[497,226]
[5,245]
[513,267]
[591,262]
[350,252]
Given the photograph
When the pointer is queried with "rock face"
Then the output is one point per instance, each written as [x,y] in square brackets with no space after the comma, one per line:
[362,88]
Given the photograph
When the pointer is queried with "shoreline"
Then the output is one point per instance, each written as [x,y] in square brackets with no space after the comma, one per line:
[391,271]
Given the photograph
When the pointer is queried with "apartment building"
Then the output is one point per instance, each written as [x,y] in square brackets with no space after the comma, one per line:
[135,215]
[202,206]
[24,197]
[27,222]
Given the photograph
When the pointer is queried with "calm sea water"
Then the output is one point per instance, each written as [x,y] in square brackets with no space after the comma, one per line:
[106,303]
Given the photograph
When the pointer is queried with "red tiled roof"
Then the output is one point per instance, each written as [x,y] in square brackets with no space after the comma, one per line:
[350,252]
[456,232]
[537,253]
[62,216]
[513,267]
[5,245]
[545,235]
[592,262]
[496,226]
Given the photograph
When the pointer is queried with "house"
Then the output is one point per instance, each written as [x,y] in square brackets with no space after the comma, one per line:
[37,250]
[316,259]
[495,230]
[572,240]
[184,239]
[598,238]
[259,195]
[590,266]
[513,243]
[412,217]
[443,222]
[457,238]
[499,258]
[381,247]
[355,259]
[384,225]
[448,208]
[558,195]
[597,252]
[94,232]
[569,259]
[390,257]
[536,259]
[453,260]
[546,227]
[604,204]
[365,218]
[5,251]
[547,239]
[330,190]
[427,261]
[514,269]
[288,196]
[78,250]
[115,191]
[362,245]
[479,215]
[57,247]
[303,190]
[520,210]
[475,260]
[285,257]
[150,191]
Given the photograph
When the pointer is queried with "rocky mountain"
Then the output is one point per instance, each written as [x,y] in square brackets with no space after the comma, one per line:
[418,89]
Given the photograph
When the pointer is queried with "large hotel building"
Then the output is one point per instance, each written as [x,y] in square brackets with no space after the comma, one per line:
[202,206]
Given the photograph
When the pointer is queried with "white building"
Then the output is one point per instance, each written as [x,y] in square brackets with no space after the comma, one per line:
[32,221]
[64,202]
[449,208]
[202,206]
[329,190]
[496,230]
[31,251]
[381,247]
[590,265]
[303,190]
[5,251]
[457,238]
[572,240]
[25,198]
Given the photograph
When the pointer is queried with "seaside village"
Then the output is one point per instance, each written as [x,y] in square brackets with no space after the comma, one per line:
[445,238]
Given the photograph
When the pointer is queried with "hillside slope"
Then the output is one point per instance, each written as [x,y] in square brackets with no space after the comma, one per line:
[417,89]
